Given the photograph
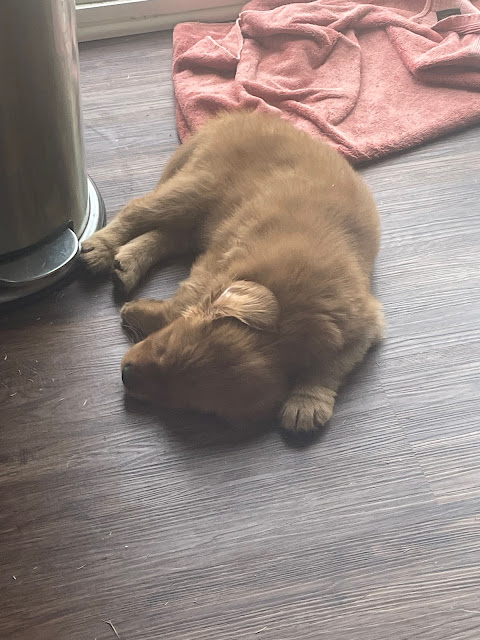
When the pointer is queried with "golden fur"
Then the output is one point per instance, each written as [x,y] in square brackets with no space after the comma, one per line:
[277,309]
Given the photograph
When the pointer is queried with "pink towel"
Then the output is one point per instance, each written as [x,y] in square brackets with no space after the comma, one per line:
[371,78]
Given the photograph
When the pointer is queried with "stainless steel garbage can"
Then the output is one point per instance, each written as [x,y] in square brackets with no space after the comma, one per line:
[48,204]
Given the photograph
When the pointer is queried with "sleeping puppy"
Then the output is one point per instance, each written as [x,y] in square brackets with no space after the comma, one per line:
[277,309]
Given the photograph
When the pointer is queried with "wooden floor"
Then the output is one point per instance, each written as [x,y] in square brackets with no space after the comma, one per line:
[171,530]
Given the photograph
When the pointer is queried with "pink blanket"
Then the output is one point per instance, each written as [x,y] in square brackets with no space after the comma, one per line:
[370,78]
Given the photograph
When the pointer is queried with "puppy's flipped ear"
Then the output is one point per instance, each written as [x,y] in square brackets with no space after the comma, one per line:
[249,302]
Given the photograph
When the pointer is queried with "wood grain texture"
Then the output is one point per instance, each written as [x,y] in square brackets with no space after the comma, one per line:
[172,528]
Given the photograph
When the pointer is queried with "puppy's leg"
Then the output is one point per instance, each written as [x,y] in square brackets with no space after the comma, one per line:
[134,259]
[310,404]
[174,206]
[145,316]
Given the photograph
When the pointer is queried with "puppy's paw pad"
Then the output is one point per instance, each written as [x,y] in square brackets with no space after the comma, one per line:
[304,412]
[97,255]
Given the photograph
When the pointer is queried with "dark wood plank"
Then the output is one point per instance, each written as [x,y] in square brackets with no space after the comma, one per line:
[169,527]
[429,280]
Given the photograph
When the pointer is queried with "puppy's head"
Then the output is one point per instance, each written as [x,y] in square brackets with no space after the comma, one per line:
[219,357]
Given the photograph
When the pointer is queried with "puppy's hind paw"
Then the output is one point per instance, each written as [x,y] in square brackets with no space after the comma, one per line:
[306,411]
[97,255]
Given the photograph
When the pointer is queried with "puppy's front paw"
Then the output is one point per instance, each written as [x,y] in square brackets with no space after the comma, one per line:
[133,321]
[307,410]
[97,255]
[142,317]
[126,273]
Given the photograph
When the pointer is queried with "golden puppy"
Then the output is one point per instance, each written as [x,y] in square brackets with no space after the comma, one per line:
[277,308]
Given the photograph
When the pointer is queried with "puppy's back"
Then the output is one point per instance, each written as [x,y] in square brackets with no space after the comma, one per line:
[276,171]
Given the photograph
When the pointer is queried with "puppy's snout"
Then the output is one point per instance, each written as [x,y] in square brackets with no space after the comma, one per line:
[129,375]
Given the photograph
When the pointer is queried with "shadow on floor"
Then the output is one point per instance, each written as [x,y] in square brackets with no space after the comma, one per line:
[201,431]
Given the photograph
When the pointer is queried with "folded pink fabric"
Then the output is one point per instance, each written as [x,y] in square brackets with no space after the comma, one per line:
[371,78]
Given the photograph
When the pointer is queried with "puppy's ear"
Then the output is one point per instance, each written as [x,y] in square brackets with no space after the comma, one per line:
[249,302]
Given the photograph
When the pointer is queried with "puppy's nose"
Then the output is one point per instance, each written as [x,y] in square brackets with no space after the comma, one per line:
[128,375]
